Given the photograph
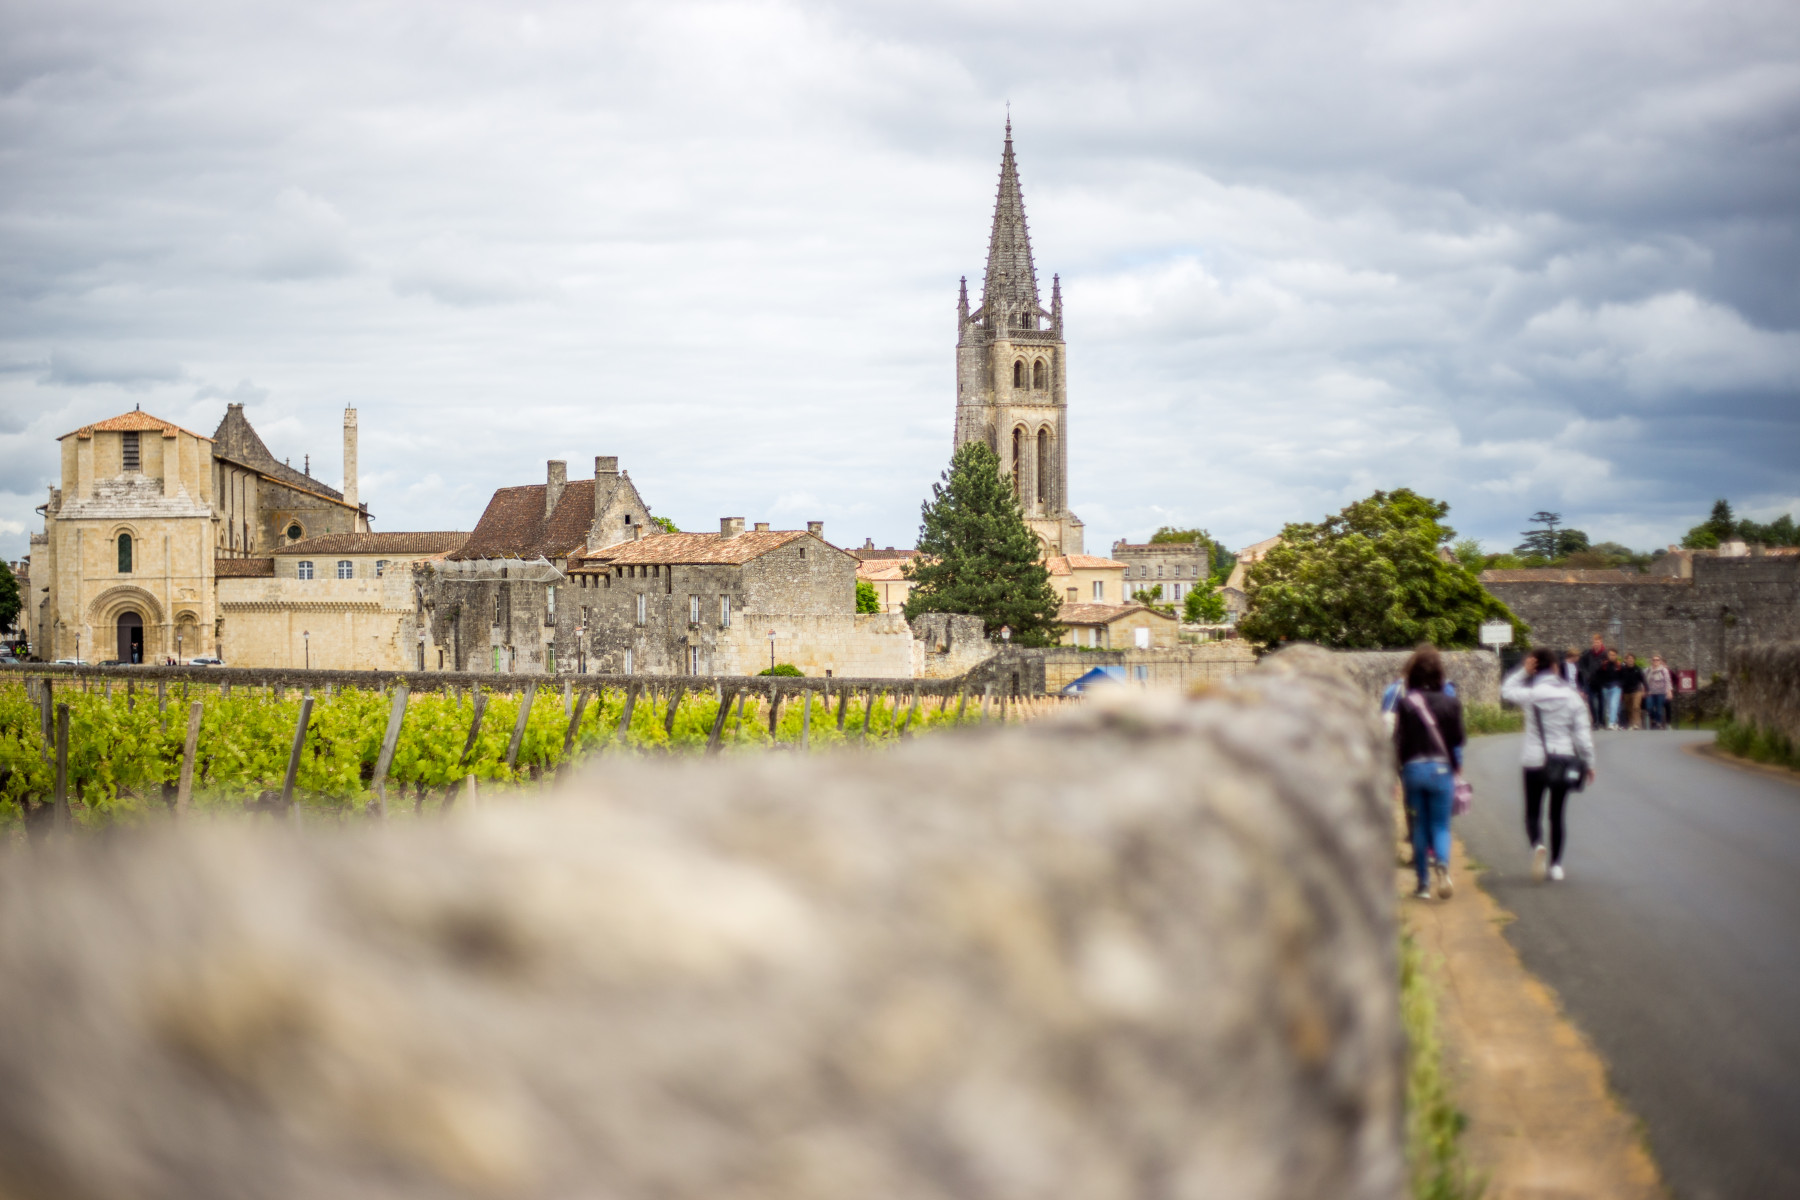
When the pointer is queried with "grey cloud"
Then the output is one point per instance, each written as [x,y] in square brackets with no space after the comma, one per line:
[89,368]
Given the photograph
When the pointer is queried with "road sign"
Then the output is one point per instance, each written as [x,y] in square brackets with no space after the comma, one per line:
[1497,633]
[1686,681]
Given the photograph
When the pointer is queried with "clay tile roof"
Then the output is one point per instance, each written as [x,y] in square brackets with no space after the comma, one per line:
[1064,564]
[513,526]
[676,549]
[135,420]
[243,568]
[1562,575]
[865,554]
[882,570]
[1101,614]
[398,543]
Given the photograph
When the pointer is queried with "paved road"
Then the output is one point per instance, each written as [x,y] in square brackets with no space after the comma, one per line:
[1674,943]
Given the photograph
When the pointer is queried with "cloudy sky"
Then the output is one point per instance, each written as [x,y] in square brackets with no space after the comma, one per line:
[1515,254]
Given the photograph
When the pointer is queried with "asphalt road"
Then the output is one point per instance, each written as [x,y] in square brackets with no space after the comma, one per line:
[1674,944]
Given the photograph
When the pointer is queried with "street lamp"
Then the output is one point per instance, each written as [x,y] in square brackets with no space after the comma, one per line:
[306,638]
[1006,633]
[177,649]
[771,650]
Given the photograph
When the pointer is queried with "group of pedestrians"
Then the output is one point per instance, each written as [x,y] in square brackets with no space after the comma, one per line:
[1557,756]
[1621,692]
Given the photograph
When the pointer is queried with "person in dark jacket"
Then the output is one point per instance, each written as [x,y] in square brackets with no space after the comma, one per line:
[1586,667]
[1631,683]
[1428,734]
[1609,681]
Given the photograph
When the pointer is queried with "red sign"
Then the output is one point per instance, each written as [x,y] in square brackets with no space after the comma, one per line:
[1685,681]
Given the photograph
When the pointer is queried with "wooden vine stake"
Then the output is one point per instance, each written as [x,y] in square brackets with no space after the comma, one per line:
[574,725]
[389,740]
[474,727]
[184,791]
[806,718]
[718,729]
[631,695]
[293,770]
[518,734]
[911,712]
[62,767]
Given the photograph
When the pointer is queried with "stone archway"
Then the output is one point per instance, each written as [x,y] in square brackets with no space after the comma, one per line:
[106,615]
[130,627]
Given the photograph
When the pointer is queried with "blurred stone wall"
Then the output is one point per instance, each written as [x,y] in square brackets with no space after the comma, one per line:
[1143,949]
[1764,687]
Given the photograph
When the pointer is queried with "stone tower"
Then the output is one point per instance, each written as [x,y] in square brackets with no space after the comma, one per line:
[1011,372]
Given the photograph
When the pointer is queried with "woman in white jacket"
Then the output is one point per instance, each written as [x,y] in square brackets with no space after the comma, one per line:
[1557,722]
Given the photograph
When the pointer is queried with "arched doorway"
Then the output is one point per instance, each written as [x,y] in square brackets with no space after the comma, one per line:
[131,636]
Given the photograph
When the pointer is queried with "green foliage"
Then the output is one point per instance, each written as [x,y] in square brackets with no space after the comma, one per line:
[868,600]
[1779,532]
[1468,552]
[664,524]
[1753,742]
[785,670]
[1434,1125]
[1168,535]
[978,556]
[1491,718]
[1370,577]
[1722,525]
[1152,597]
[10,603]
[1550,541]
[1203,606]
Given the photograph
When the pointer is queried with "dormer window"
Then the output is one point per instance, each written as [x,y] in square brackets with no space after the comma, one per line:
[129,452]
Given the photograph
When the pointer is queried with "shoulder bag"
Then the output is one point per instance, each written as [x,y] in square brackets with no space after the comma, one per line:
[1462,797]
[1564,769]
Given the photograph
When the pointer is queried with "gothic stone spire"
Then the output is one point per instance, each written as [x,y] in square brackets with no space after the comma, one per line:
[1009,296]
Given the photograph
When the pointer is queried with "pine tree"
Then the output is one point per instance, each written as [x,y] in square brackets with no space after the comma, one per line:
[977,555]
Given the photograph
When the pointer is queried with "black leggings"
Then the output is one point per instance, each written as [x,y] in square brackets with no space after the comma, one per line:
[1536,782]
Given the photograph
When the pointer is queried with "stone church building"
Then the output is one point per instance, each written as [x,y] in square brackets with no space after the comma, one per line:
[1011,372]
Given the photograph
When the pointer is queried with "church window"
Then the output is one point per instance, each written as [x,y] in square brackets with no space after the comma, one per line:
[1040,376]
[295,533]
[346,569]
[1046,477]
[1019,374]
[124,555]
[303,569]
[130,452]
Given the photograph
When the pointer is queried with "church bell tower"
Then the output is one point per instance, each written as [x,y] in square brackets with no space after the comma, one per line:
[1010,372]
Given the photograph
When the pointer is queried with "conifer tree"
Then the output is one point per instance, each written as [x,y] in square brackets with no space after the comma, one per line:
[977,555]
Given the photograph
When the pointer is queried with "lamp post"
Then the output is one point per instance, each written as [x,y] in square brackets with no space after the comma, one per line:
[771,651]
[178,649]
[421,649]
[1006,633]
[306,640]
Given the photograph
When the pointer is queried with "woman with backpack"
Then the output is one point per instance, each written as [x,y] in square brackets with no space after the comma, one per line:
[1428,732]
[1558,752]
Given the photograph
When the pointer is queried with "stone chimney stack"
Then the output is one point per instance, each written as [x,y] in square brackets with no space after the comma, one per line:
[762,527]
[350,489]
[817,529]
[606,478]
[730,526]
[555,480]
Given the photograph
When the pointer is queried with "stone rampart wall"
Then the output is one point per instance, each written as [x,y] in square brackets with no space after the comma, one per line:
[1132,950]
[1476,673]
[1764,687]
[1036,671]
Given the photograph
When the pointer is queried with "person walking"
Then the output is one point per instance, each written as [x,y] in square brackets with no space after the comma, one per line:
[1659,691]
[1428,736]
[1557,755]
[1631,684]
[1571,667]
[1588,666]
[1607,681]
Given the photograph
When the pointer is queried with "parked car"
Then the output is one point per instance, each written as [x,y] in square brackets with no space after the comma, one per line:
[72,662]
[206,662]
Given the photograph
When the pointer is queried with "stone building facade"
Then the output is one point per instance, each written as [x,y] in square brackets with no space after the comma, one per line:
[261,503]
[1117,627]
[1693,621]
[1178,567]
[1012,371]
[1087,579]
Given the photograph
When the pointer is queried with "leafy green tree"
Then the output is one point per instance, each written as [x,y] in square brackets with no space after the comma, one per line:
[1468,552]
[1152,597]
[664,524]
[868,600]
[10,603]
[1168,535]
[977,555]
[1370,577]
[1551,541]
[1779,532]
[1203,606]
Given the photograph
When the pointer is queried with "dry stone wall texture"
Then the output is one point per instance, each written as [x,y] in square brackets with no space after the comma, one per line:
[1764,683]
[1145,950]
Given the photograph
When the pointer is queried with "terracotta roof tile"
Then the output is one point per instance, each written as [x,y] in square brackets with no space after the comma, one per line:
[1064,564]
[243,568]
[1101,614]
[138,421]
[696,548]
[424,544]
[883,570]
[513,526]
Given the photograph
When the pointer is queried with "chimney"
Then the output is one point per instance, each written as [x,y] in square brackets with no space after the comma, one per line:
[307,469]
[350,491]
[868,543]
[606,477]
[555,480]
[817,529]
[730,526]
[762,527]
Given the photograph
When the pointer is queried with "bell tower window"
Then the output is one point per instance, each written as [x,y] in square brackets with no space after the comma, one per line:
[129,452]
[1019,374]
[124,554]
[1040,376]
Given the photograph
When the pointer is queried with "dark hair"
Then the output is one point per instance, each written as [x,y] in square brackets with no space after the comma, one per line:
[1545,658]
[1425,670]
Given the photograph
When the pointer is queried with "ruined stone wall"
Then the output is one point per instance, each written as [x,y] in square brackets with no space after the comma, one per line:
[1764,687]
[1693,623]
[1476,673]
[1037,671]
[1122,953]
[946,645]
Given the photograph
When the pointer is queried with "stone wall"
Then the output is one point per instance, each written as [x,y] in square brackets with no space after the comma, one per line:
[947,645]
[1128,952]
[1692,622]
[1476,673]
[1764,683]
[1034,672]
[362,624]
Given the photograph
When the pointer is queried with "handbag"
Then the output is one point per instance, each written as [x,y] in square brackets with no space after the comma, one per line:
[1462,794]
[1566,769]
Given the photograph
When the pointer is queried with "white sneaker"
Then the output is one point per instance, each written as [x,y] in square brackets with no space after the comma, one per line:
[1445,887]
[1540,861]
[1556,872]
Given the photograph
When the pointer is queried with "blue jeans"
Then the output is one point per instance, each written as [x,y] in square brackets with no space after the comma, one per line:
[1429,789]
[1612,705]
[1657,714]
